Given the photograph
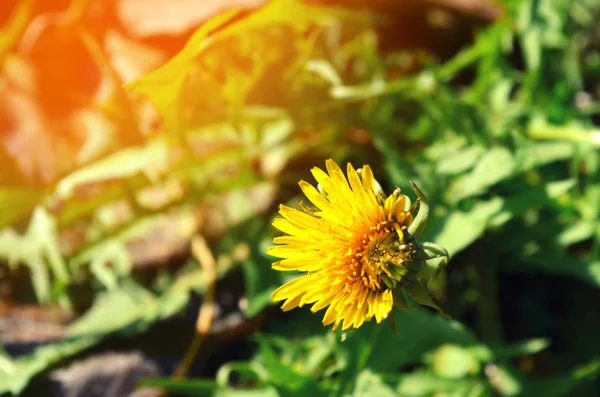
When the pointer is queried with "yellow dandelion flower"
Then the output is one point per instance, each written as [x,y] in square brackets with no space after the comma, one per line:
[357,247]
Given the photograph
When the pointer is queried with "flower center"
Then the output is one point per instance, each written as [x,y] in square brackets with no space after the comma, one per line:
[381,259]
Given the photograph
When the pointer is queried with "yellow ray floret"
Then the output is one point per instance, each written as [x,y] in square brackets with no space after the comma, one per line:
[348,244]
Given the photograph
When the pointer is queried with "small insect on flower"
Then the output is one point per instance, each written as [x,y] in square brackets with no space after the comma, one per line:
[358,249]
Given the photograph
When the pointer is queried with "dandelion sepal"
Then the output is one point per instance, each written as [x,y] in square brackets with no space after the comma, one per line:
[431,251]
[417,227]
[422,296]
[400,300]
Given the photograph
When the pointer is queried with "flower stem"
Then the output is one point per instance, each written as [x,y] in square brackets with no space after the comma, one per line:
[202,253]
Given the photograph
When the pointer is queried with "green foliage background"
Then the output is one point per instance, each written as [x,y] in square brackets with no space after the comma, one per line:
[503,137]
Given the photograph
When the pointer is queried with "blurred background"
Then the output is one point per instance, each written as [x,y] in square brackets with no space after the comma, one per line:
[145,146]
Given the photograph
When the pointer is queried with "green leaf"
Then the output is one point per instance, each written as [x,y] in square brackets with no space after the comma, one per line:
[147,161]
[516,349]
[325,70]
[576,132]
[532,48]
[454,362]
[285,378]
[258,392]
[370,384]
[128,309]
[133,302]
[419,332]
[494,166]
[375,88]
[542,153]
[424,384]
[206,388]
[186,387]
[531,198]
[6,364]
[456,231]
[463,160]
[108,260]
[137,309]
[506,380]
[244,372]
[39,249]
[15,376]
[576,233]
